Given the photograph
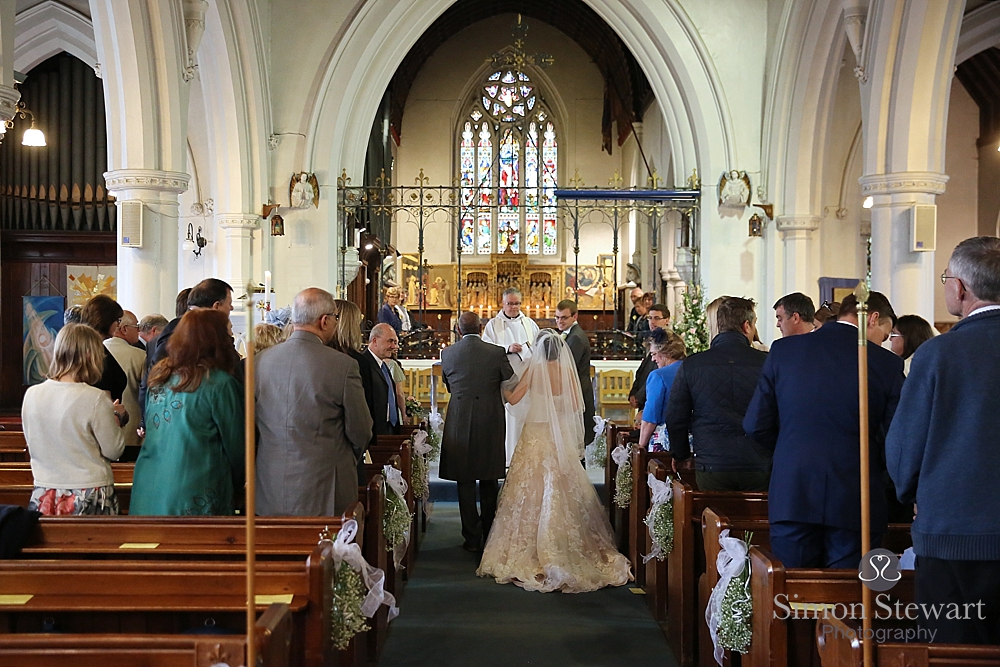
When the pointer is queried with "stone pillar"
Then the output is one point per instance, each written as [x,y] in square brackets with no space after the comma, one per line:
[147,276]
[8,94]
[907,278]
[236,259]
[797,232]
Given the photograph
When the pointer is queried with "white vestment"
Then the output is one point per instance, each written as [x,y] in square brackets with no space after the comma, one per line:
[504,331]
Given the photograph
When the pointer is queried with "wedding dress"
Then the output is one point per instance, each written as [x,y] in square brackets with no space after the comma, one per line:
[551,532]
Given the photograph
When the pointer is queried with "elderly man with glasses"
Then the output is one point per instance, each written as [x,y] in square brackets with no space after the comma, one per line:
[942,452]
[132,361]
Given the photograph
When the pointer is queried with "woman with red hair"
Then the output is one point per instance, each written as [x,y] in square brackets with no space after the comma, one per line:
[192,460]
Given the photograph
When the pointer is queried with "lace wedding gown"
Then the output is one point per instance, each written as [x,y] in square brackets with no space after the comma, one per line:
[551,532]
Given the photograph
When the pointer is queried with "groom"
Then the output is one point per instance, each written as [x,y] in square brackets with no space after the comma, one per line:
[472,448]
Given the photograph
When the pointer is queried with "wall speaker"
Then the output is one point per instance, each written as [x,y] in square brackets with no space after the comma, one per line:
[130,224]
[923,227]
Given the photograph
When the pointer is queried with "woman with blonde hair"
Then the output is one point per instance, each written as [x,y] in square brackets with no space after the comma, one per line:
[348,339]
[267,336]
[72,446]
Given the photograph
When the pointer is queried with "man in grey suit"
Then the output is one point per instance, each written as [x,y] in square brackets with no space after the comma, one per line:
[312,418]
[472,448]
[579,345]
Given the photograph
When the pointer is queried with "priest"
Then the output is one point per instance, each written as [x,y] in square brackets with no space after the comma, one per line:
[515,333]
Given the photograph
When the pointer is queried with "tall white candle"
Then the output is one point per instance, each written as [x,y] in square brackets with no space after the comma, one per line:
[267,288]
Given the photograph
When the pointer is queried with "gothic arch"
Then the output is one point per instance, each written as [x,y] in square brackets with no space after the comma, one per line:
[980,31]
[49,28]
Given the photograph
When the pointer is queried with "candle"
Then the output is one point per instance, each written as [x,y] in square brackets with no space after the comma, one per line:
[267,290]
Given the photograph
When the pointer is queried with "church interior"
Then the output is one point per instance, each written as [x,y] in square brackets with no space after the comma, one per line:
[445,151]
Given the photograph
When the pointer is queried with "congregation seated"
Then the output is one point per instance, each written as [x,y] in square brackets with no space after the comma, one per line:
[193,456]
[103,314]
[72,447]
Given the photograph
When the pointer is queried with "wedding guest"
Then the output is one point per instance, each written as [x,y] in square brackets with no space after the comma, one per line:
[71,447]
[794,314]
[312,417]
[659,318]
[667,351]
[394,313]
[348,338]
[103,314]
[710,316]
[192,459]
[827,312]
[72,315]
[150,327]
[181,302]
[266,336]
[910,332]
[132,361]
[709,400]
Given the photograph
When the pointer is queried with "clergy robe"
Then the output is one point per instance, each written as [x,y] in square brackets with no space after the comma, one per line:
[505,331]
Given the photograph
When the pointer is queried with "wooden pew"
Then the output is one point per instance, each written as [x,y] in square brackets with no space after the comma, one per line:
[13,447]
[384,448]
[373,548]
[17,483]
[393,577]
[273,637]
[155,596]
[638,533]
[778,641]
[837,648]
[686,563]
[610,468]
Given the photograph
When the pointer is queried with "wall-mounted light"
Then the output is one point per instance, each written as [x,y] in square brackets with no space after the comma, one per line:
[32,136]
[369,246]
[869,202]
[194,241]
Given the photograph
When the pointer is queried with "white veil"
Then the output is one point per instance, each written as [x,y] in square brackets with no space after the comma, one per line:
[553,395]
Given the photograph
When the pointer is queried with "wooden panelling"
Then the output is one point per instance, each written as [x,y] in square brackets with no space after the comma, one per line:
[34,264]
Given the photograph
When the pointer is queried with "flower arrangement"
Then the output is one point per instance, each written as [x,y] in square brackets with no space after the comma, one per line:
[346,617]
[414,409]
[692,325]
[598,450]
[623,478]
[660,522]
[396,521]
[730,607]
[419,472]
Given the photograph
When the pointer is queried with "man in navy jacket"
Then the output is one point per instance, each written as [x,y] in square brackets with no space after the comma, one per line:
[806,409]
[943,452]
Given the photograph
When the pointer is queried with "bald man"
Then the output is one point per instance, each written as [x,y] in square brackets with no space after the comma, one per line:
[376,378]
[312,417]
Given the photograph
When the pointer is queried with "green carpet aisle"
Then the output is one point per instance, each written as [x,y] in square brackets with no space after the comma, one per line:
[450,617]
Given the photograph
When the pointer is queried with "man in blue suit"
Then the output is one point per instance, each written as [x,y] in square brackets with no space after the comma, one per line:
[806,409]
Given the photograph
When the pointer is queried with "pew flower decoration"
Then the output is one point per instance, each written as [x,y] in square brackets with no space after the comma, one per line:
[358,588]
[599,448]
[414,409]
[397,519]
[622,456]
[436,431]
[730,608]
[660,519]
[420,476]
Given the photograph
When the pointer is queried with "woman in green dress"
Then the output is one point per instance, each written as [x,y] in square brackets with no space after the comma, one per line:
[191,462]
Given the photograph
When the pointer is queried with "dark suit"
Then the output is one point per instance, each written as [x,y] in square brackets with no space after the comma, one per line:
[579,345]
[475,429]
[806,409]
[638,389]
[377,394]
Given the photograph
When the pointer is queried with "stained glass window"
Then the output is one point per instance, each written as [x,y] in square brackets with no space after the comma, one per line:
[510,193]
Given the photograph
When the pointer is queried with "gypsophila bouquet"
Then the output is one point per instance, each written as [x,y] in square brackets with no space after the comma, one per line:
[346,617]
[418,476]
[597,452]
[729,614]
[395,521]
[660,522]
[622,455]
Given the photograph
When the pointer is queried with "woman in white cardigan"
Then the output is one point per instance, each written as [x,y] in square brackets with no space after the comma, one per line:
[72,430]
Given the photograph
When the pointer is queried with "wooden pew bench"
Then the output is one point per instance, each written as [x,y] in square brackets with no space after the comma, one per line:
[839,645]
[17,483]
[272,636]
[385,447]
[655,571]
[779,638]
[394,577]
[638,533]
[686,562]
[619,516]
[13,447]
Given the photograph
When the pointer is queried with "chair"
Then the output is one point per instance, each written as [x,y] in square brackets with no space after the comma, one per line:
[612,391]
[421,386]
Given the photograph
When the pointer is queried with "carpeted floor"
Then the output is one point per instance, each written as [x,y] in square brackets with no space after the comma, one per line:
[451,617]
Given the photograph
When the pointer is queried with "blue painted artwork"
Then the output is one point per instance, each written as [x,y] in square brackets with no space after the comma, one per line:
[43,318]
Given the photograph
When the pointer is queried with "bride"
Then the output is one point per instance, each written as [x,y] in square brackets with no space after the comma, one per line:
[550,531]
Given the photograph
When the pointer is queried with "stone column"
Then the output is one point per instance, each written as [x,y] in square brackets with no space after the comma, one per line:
[147,276]
[236,259]
[8,94]
[797,232]
[907,278]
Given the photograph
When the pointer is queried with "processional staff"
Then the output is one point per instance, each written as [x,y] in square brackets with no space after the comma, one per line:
[249,428]
[862,293]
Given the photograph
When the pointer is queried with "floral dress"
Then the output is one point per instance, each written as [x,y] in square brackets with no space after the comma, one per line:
[99,500]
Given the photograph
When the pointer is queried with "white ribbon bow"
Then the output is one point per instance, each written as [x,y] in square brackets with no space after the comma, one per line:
[620,455]
[420,445]
[600,424]
[661,493]
[730,563]
[346,549]
[394,478]
[436,422]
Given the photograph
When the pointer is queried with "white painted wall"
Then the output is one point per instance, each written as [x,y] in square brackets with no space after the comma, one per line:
[958,206]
